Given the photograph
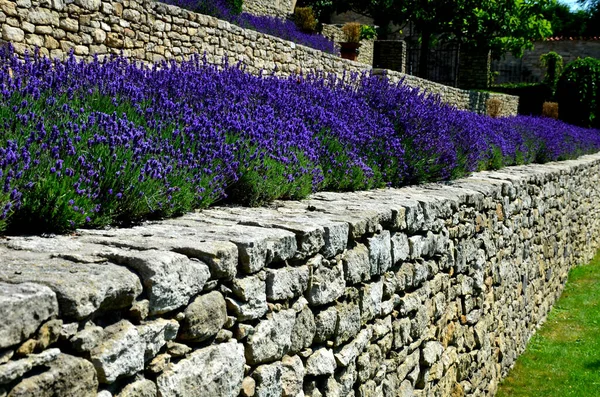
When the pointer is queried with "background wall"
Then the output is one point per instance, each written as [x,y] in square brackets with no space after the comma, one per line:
[431,290]
[529,67]
[151,31]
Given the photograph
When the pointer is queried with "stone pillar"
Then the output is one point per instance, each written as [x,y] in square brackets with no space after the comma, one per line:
[474,68]
[390,54]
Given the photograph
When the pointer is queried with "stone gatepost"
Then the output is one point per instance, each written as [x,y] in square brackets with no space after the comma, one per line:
[474,68]
[390,54]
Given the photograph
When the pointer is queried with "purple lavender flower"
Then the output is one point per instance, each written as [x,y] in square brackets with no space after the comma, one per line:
[91,144]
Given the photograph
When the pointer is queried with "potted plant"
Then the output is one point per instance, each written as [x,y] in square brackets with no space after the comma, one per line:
[349,48]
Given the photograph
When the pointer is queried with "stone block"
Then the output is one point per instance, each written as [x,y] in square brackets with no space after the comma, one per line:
[204,317]
[216,370]
[81,288]
[169,279]
[66,376]
[23,308]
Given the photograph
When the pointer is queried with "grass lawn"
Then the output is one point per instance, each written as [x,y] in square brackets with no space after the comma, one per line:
[563,358]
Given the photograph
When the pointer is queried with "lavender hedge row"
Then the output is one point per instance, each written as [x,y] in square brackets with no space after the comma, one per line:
[286,30]
[93,144]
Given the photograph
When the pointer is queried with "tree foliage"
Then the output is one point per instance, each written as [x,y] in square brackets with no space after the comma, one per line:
[502,25]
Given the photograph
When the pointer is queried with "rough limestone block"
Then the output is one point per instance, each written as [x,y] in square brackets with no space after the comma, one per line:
[204,317]
[357,264]
[293,376]
[155,334]
[220,256]
[251,297]
[272,338]
[321,362]
[81,288]
[348,322]
[431,353]
[17,368]
[309,235]
[67,376]
[400,247]
[121,353]
[88,338]
[169,279]
[371,296]
[349,352]
[326,284]
[304,330]
[258,246]
[380,253]
[268,378]
[23,308]
[287,282]
[139,388]
[325,324]
[216,370]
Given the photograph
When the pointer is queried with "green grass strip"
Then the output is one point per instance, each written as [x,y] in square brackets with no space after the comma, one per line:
[563,358]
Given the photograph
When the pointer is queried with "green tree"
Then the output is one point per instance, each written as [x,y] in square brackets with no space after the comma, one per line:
[566,23]
[593,9]
[499,25]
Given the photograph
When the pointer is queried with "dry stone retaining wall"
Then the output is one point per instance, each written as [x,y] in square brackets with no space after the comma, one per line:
[152,31]
[431,290]
[475,101]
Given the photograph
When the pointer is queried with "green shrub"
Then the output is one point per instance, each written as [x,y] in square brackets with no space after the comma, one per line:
[578,93]
[531,96]
[235,5]
[367,32]
[553,63]
[494,107]
[550,109]
[352,30]
[305,19]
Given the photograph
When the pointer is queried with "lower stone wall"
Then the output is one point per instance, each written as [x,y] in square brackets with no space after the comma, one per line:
[431,290]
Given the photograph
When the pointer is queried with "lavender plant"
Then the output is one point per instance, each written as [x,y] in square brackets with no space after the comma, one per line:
[112,142]
[286,30]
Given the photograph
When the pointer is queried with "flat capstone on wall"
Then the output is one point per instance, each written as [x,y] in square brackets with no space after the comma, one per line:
[153,31]
[422,291]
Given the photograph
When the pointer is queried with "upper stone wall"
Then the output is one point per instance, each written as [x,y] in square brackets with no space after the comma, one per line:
[151,31]
[274,8]
[429,290]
